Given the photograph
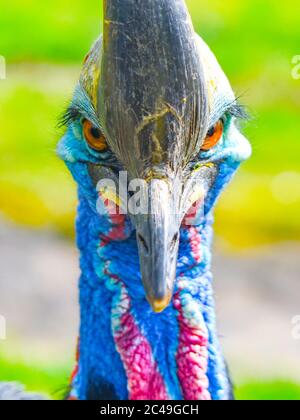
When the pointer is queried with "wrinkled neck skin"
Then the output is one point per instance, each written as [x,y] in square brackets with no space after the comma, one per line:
[125,350]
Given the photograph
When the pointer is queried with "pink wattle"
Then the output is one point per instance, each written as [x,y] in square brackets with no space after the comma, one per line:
[195,244]
[144,379]
[117,231]
[192,356]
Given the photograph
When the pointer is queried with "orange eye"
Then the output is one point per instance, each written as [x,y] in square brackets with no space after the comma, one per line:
[213,137]
[94,137]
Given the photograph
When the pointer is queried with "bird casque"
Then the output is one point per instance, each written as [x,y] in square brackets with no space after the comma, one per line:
[153,105]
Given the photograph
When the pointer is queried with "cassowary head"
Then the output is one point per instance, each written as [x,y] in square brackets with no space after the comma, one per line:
[152,109]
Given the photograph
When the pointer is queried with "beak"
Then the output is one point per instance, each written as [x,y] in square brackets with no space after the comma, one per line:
[158,243]
[153,107]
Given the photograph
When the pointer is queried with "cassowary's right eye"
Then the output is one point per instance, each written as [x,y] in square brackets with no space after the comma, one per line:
[213,137]
[94,137]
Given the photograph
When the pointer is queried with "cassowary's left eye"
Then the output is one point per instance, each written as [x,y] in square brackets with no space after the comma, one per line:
[94,137]
[213,137]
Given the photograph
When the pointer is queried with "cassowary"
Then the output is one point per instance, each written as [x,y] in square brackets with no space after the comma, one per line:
[152,109]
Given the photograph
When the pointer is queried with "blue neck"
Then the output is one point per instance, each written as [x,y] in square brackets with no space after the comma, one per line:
[102,371]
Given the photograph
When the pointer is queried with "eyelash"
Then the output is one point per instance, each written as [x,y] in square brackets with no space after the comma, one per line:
[69,116]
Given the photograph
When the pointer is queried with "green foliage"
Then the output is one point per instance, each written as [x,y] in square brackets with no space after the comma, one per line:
[48,30]
[53,381]
[268,391]
[35,188]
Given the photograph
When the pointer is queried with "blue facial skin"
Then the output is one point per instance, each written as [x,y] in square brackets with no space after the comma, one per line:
[101,372]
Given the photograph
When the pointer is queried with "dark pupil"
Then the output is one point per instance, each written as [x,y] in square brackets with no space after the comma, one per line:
[211,132]
[95,132]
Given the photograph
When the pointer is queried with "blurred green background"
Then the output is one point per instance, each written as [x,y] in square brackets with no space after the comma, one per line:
[255,40]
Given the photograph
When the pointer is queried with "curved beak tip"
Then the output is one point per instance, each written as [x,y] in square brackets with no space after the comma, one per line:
[159,305]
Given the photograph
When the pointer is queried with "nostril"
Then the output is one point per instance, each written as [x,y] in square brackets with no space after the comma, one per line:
[174,241]
[175,237]
[143,242]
